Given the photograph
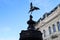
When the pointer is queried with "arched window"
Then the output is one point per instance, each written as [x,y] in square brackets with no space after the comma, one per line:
[44,32]
[58,24]
[54,28]
[50,30]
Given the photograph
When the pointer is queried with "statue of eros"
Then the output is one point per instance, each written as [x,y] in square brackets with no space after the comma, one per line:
[32,8]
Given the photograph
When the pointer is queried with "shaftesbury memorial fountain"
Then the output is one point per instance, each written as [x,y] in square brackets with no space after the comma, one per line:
[31,33]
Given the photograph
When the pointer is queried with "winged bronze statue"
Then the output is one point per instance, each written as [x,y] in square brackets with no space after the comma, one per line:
[32,8]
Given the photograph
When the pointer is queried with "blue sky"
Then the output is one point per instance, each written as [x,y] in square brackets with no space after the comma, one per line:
[14,15]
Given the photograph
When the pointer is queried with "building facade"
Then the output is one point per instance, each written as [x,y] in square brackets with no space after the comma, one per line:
[49,25]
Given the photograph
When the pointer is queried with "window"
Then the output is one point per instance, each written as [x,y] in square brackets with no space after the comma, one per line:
[44,33]
[50,30]
[54,28]
[58,24]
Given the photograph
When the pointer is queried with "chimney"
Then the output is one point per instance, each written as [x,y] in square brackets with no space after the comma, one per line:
[45,15]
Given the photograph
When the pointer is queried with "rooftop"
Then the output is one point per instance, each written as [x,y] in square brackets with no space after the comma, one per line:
[47,14]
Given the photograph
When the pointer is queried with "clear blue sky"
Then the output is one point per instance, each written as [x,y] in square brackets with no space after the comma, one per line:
[14,15]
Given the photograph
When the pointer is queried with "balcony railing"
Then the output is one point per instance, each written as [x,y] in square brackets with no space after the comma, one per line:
[53,35]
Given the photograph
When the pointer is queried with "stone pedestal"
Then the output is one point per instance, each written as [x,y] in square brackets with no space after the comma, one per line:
[31,33]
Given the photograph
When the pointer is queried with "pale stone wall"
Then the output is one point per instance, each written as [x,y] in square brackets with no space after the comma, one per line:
[49,21]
